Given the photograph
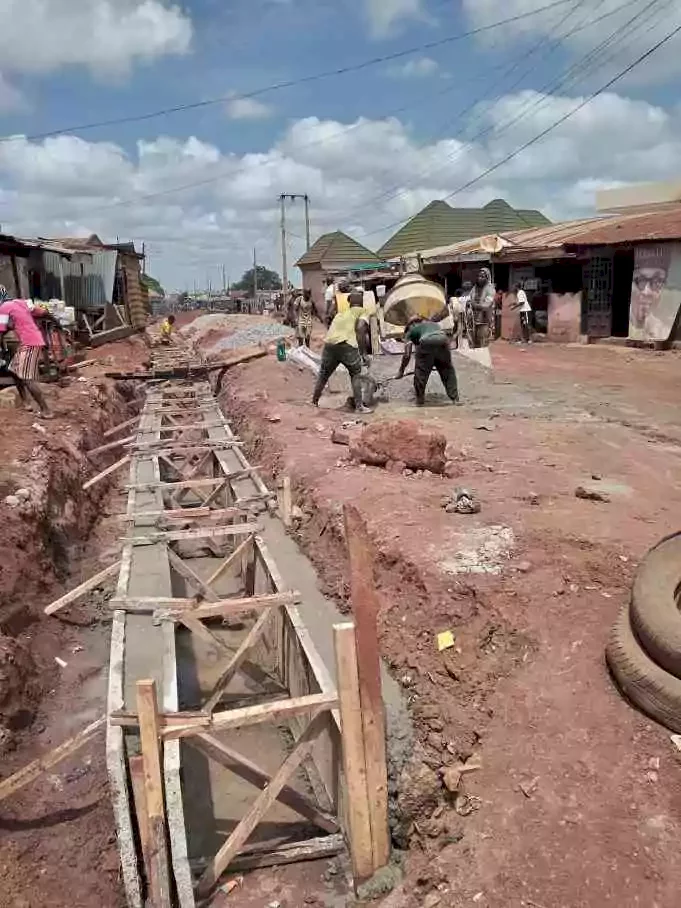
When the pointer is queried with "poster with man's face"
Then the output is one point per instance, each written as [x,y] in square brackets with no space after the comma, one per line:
[655,291]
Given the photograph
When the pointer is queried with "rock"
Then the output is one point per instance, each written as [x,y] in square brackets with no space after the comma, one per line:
[402,440]
[274,419]
[381,883]
[297,513]
[341,437]
[12,501]
[432,900]
[395,466]
[419,790]
[590,494]
[436,724]
[23,494]
[524,567]
[534,499]
[434,740]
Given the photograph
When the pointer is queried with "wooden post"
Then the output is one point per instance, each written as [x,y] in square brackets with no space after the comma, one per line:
[286,506]
[354,758]
[150,740]
[136,765]
[365,610]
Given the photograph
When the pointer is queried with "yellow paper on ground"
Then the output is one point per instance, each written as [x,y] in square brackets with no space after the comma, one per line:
[445,640]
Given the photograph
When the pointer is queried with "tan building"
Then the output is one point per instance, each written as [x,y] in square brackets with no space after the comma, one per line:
[331,254]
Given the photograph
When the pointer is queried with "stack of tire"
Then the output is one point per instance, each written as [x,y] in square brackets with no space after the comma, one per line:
[644,652]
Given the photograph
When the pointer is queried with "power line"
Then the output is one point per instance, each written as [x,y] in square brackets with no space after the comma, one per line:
[581,68]
[537,138]
[290,83]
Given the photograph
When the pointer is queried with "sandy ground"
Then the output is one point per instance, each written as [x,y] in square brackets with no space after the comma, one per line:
[579,795]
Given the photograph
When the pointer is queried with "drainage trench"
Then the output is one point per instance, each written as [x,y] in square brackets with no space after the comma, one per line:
[254,695]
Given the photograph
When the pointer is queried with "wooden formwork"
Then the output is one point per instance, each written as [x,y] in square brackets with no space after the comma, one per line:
[191,485]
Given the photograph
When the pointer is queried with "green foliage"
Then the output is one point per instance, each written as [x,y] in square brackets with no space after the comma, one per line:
[267,280]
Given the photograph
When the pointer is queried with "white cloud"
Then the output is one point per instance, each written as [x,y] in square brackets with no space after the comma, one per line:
[630,29]
[361,177]
[107,36]
[384,15]
[247,109]
[418,68]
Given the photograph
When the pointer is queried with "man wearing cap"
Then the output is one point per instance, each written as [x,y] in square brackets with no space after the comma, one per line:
[344,339]
[430,346]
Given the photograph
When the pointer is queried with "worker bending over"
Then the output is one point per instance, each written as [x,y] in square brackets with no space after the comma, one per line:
[167,330]
[25,364]
[346,336]
[431,350]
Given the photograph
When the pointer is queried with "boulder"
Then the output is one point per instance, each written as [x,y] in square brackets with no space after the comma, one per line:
[402,441]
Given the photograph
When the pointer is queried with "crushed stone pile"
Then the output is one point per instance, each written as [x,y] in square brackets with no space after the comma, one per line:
[402,442]
[218,333]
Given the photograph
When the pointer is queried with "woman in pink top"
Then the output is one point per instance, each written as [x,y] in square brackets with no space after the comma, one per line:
[25,362]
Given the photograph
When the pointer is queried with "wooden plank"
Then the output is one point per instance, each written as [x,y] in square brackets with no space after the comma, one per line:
[191,427]
[365,608]
[262,804]
[121,718]
[30,773]
[192,578]
[255,715]
[169,607]
[121,425]
[82,588]
[109,470]
[234,529]
[193,624]
[354,757]
[109,446]
[139,797]
[286,506]
[159,877]
[236,661]
[246,769]
[172,485]
[280,851]
[231,559]
[185,514]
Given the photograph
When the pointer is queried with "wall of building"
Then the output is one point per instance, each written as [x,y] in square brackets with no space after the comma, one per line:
[7,275]
[314,280]
[565,316]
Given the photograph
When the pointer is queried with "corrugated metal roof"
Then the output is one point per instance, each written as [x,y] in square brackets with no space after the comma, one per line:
[633,227]
[335,249]
[439,224]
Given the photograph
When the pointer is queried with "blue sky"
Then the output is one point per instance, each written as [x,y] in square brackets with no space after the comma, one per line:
[370,147]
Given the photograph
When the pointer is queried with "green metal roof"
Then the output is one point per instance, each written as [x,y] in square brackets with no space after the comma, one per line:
[337,249]
[439,225]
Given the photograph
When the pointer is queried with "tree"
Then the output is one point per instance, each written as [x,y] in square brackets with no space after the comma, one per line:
[267,280]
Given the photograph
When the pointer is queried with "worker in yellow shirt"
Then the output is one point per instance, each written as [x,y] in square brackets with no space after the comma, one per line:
[167,329]
[344,339]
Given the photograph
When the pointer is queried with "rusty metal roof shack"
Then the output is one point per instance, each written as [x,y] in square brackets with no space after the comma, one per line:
[564,240]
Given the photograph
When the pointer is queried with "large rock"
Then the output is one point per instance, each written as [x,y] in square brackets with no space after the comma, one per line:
[405,441]
[419,791]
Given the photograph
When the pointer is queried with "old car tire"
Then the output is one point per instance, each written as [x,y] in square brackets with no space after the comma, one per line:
[655,616]
[651,688]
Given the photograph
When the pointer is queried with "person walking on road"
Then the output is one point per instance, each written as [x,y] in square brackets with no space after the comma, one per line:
[304,307]
[25,364]
[525,311]
[431,351]
[345,338]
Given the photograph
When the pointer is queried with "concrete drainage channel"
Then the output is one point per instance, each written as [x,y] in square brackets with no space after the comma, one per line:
[216,687]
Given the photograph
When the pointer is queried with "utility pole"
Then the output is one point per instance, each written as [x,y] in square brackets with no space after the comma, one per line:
[255,277]
[284,267]
[224,280]
[292,196]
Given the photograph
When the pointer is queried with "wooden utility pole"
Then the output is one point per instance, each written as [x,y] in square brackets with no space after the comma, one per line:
[307,220]
[224,280]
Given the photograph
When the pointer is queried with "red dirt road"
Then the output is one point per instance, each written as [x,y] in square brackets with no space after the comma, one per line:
[580,796]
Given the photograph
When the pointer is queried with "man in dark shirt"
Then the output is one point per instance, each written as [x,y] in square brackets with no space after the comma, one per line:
[431,351]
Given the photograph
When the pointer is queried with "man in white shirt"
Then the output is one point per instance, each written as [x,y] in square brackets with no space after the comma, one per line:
[525,311]
[329,301]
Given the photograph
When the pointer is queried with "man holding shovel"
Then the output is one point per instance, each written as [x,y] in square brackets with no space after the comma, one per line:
[430,346]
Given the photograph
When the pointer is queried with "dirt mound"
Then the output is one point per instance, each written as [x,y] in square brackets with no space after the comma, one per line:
[18,689]
[402,441]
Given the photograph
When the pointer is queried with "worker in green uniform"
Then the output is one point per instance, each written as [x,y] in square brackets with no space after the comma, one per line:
[430,346]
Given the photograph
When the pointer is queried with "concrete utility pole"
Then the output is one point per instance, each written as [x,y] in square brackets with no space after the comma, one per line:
[292,196]
[255,277]
[224,280]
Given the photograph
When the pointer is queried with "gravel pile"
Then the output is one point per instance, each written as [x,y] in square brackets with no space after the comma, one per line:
[255,334]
